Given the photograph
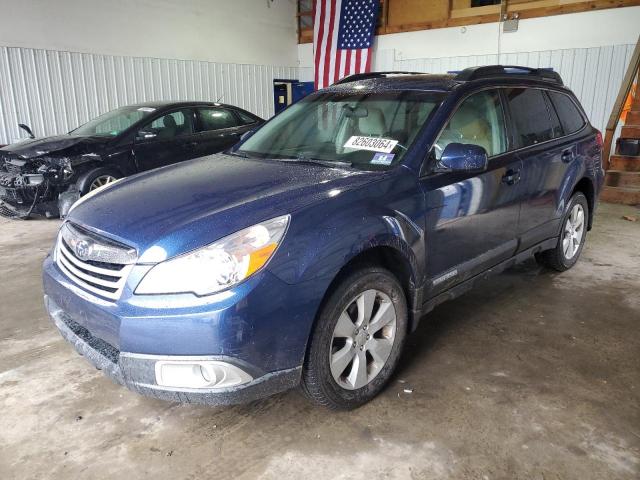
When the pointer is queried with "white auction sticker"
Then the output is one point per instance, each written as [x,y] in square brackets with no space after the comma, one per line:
[383,145]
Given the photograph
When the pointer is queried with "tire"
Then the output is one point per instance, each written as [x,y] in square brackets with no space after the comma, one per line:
[562,258]
[88,180]
[348,391]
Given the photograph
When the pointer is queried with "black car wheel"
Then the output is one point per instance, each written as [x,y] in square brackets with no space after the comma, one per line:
[357,340]
[572,236]
[96,178]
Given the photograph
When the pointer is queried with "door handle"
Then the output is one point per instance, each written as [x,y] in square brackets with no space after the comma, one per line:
[189,144]
[511,177]
[566,156]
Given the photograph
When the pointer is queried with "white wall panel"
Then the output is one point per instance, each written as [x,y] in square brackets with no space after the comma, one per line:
[54,91]
[594,74]
[238,31]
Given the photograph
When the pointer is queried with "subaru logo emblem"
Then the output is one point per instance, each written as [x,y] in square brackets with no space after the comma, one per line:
[83,249]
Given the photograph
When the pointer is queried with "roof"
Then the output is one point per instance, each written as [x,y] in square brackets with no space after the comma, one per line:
[395,81]
[170,104]
[425,81]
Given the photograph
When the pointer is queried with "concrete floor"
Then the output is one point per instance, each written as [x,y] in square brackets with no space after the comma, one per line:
[533,375]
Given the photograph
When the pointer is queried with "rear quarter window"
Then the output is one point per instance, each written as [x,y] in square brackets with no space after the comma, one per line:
[568,112]
[245,118]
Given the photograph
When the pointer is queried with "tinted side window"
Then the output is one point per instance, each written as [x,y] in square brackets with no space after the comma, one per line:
[216,118]
[479,121]
[530,116]
[168,126]
[570,116]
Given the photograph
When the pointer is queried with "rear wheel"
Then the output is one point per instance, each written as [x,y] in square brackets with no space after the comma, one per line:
[572,236]
[357,340]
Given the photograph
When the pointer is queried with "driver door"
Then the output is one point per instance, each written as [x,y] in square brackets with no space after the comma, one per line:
[472,218]
[165,140]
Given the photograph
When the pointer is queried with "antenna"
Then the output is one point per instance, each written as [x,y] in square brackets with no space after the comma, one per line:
[220,98]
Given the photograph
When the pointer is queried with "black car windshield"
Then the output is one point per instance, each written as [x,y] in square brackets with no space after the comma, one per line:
[114,122]
[368,130]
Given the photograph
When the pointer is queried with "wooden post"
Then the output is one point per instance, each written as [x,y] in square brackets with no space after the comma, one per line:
[625,88]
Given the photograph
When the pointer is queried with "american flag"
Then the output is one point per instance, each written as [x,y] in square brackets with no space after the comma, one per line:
[342,38]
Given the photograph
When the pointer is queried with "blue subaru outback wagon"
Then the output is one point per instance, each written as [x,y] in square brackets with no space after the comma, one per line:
[306,254]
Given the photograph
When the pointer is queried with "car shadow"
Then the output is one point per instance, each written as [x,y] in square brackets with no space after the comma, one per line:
[455,314]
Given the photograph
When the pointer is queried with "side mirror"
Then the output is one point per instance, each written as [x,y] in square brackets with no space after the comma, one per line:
[461,157]
[26,129]
[143,135]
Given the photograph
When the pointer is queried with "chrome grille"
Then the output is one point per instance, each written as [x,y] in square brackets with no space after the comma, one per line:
[94,263]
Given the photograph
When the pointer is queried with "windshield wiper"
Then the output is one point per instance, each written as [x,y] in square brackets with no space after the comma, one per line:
[301,158]
[237,154]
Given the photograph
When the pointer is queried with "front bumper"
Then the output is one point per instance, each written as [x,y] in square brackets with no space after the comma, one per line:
[15,204]
[19,198]
[137,371]
[261,326]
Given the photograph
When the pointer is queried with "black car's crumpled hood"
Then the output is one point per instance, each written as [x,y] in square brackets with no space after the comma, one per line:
[187,205]
[61,145]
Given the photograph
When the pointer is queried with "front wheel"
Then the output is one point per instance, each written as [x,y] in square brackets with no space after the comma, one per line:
[357,340]
[572,236]
[96,178]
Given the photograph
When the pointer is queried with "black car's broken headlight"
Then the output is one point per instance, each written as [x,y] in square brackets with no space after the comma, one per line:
[58,171]
[29,180]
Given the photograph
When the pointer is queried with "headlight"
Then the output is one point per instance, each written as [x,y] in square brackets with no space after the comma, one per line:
[220,265]
[65,168]
[67,172]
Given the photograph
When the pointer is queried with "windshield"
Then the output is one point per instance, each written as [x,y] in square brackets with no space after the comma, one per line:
[366,130]
[113,123]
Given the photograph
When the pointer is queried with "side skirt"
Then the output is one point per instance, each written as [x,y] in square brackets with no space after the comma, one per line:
[468,284]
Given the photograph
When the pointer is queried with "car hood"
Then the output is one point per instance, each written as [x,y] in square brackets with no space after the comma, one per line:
[61,145]
[178,208]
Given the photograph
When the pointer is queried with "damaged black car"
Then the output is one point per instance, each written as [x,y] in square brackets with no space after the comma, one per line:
[46,176]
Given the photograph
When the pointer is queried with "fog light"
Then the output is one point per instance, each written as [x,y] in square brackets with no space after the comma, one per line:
[199,374]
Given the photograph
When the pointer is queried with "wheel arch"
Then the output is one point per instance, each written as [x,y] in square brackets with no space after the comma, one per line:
[585,186]
[391,258]
[88,171]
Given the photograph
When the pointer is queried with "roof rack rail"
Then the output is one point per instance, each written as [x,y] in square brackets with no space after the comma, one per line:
[364,76]
[488,71]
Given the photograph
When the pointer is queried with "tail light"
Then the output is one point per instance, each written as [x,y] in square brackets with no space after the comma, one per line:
[600,162]
[599,140]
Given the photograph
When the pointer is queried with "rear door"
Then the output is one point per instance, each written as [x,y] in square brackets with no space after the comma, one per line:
[219,128]
[546,153]
[167,139]
[472,219]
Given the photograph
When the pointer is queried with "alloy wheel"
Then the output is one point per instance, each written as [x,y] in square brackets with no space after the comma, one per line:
[101,181]
[362,339]
[573,232]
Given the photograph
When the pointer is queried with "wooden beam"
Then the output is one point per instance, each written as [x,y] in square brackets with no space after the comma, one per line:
[625,88]
[475,11]
[385,14]
[453,22]
[572,8]
[566,6]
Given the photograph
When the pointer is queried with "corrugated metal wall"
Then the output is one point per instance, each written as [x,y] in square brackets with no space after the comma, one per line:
[594,74]
[55,91]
